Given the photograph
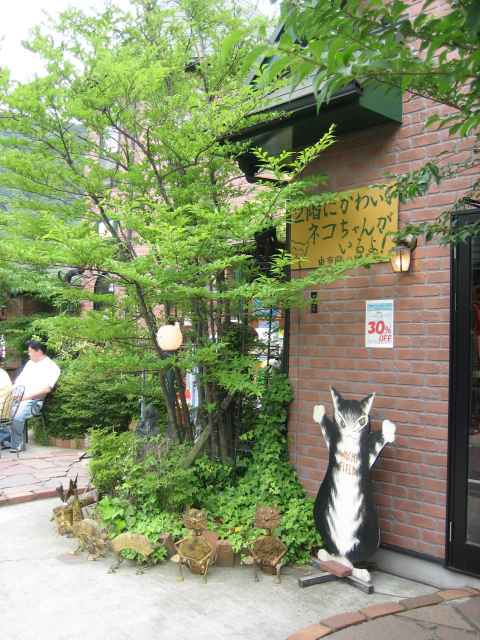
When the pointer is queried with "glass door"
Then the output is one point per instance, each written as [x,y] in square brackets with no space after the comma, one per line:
[463,532]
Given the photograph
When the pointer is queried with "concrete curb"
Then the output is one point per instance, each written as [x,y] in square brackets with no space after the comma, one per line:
[29,496]
[333,624]
[70,443]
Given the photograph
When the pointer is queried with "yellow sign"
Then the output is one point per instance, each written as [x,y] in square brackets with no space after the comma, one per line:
[353,226]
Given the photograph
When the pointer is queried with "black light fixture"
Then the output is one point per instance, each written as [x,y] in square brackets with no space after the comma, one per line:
[401,255]
[251,167]
[72,276]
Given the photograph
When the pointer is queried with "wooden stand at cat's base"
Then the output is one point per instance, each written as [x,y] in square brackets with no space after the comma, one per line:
[330,573]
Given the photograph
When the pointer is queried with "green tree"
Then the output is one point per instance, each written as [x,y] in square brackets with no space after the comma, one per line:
[128,132]
[433,52]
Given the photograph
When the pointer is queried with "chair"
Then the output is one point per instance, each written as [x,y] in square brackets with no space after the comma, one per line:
[37,412]
[9,407]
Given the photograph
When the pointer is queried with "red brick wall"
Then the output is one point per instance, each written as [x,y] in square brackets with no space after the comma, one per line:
[410,380]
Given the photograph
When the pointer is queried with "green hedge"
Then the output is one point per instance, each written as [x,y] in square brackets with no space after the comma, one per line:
[87,397]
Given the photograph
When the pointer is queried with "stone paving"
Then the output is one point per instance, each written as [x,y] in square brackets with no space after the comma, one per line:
[38,471]
[447,615]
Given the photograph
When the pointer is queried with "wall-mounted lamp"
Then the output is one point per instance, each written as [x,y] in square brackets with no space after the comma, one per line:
[401,255]
[169,337]
[313,302]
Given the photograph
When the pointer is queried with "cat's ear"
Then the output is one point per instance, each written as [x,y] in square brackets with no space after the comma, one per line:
[366,403]
[336,398]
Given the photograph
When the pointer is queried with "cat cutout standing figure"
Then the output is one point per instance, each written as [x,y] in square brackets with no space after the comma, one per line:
[344,511]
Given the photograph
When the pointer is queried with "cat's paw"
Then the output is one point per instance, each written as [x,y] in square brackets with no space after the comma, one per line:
[323,555]
[362,574]
[388,431]
[318,413]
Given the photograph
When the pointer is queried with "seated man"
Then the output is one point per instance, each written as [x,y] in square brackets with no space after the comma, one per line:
[38,376]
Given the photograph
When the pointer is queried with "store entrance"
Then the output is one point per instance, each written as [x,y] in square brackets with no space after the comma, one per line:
[464,473]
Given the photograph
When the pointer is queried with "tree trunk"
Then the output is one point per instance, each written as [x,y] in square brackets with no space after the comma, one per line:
[184,410]
[198,447]
[223,438]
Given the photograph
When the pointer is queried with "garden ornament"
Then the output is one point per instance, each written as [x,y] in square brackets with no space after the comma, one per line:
[91,537]
[73,508]
[71,491]
[195,552]
[344,510]
[148,425]
[71,511]
[268,550]
[134,542]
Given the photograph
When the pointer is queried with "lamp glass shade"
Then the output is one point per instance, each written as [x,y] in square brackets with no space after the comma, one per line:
[400,258]
[169,337]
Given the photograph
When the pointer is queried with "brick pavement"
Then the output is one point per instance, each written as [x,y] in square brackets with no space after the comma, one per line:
[453,614]
[37,472]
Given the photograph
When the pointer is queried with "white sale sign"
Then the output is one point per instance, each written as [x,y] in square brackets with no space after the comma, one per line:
[379,324]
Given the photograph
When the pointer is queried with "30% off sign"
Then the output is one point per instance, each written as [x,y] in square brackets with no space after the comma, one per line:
[379,324]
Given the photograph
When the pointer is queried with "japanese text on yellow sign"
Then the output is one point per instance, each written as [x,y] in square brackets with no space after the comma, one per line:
[355,225]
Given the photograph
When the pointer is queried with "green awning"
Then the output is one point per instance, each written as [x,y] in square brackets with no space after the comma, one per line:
[302,123]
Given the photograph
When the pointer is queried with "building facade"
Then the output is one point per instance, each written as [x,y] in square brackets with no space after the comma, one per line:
[427,484]
[414,380]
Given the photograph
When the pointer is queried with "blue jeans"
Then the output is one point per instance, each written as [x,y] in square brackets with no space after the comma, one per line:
[17,428]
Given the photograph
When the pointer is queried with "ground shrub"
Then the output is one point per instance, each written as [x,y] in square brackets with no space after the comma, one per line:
[119,516]
[150,478]
[269,480]
[144,487]
[108,451]
[147,491]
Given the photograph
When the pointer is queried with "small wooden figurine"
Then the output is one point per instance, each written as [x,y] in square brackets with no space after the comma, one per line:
[195,552]
[268,551]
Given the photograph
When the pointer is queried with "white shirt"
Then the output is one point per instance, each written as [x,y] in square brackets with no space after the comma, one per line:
[38,375]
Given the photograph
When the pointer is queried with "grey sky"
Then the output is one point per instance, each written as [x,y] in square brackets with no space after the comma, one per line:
[17,17]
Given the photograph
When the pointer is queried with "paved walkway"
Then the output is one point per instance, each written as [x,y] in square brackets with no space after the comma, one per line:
[48,594]
[38,471]
[453,614]
[34,560]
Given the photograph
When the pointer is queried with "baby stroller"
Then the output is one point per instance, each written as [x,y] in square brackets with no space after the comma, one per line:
[9,408]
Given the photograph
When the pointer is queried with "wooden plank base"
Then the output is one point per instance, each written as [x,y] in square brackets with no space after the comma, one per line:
[332,566]
[325,576]
[317,578]
[366,587]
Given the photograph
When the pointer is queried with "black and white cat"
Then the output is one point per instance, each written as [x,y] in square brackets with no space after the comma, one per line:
[344,511]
